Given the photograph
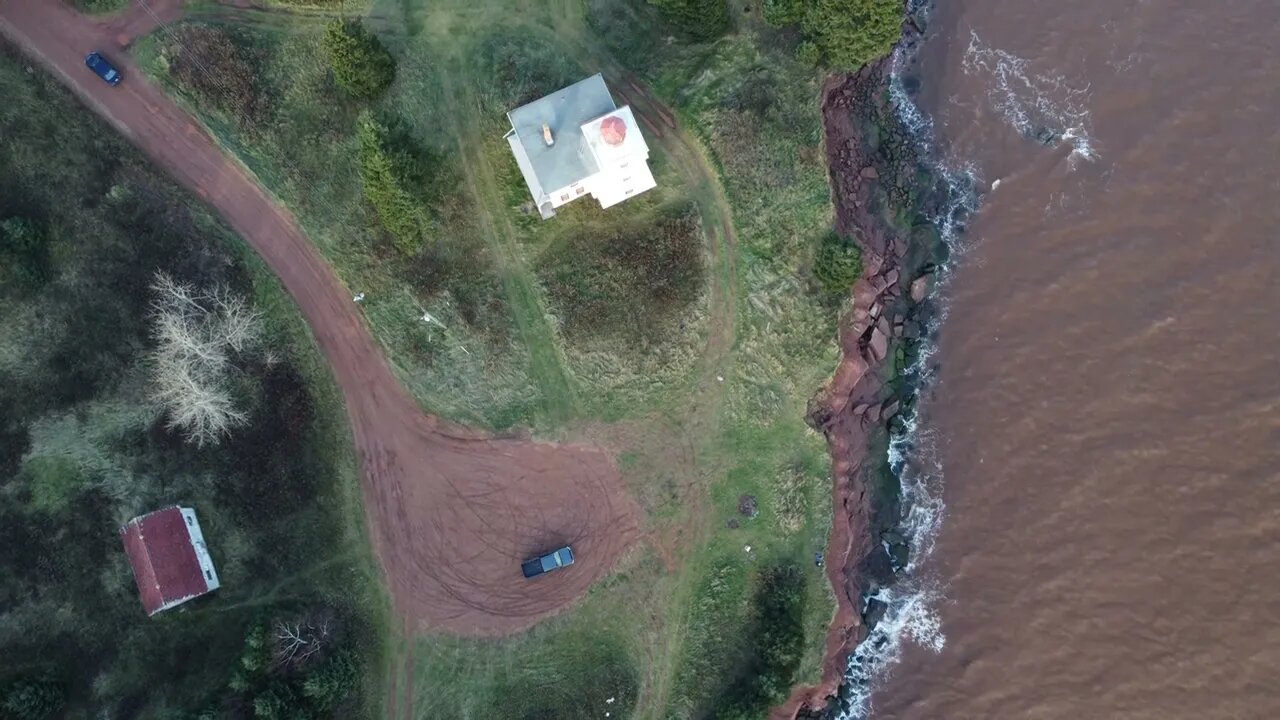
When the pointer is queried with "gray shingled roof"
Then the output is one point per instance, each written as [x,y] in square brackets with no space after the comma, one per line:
[567,161]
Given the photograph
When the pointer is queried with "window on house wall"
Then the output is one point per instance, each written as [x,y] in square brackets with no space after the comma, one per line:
[564,196]
[580,191]
[208,574]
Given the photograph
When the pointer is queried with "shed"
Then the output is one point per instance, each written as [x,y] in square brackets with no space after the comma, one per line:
[170,560]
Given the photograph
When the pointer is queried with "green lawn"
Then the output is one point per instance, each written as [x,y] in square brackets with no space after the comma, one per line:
[703,398]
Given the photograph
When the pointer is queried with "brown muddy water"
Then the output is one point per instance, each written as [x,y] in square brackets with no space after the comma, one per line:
[1107,407]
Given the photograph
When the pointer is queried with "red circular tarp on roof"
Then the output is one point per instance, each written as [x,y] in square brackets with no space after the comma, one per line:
[613,130]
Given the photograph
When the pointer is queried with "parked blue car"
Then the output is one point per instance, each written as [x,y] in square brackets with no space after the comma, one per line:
[546,563]
[103,68]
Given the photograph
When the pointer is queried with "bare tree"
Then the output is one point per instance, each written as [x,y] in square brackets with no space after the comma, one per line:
[298,641]
[197,333]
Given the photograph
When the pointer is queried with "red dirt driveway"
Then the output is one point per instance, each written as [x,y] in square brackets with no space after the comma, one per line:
[451,511]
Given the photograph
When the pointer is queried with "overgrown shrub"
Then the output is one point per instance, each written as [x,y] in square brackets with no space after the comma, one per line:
[24,254]
[851,33]
[837,263]
[209,62]
[701,19]
[274,687]
[361,64]
[389,175]
[100,6]
[631,282]
[783,12]
[777,646]
[845,34]
[31,698]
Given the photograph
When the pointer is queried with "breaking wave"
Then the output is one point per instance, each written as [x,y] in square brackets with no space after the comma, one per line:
[1044,107]
[910,613]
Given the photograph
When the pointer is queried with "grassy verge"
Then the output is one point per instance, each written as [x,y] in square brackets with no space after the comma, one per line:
[85,448]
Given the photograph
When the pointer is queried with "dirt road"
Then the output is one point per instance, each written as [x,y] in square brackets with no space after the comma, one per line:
[451,511]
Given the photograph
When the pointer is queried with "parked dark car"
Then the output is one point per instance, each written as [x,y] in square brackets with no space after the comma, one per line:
[103,68]
[546,563]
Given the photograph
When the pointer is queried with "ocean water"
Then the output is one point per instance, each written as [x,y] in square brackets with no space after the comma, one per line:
[1093,472]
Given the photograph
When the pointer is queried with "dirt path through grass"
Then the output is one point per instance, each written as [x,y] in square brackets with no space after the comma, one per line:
[547,367]
[451,511]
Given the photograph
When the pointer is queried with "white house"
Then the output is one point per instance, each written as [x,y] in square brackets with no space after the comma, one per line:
[576,142]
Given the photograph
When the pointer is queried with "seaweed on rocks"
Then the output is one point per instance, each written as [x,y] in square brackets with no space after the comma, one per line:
[901,208]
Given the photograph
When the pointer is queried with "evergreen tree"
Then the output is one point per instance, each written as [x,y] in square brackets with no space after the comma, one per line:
[32,699]
[361,64]
[388,176]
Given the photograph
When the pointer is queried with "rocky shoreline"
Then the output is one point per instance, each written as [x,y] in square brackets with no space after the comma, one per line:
[884,198]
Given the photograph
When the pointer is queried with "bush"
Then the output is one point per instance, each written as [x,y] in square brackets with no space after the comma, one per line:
[361,64]
[31,699]
[24,254]
[209,62]
[783,12]
[332,682]
[629,282]
[702,19]
[777,648]
[851,33]
[101,6]
[388,174]
[837,263]
[808,53]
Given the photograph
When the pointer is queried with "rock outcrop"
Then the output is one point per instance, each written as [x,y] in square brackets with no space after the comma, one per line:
[870,185]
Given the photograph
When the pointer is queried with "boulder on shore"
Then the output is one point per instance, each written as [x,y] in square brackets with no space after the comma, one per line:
[920,288]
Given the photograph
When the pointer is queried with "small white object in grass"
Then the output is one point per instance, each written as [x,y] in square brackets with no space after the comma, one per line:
[609,701]
[359,297]
[719,378]
[747,548]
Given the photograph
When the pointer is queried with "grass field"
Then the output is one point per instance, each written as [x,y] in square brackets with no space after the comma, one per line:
[84,226]
[698,380]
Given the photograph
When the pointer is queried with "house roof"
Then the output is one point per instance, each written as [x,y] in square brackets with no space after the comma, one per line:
[164,560]
[614,138]
[564,111]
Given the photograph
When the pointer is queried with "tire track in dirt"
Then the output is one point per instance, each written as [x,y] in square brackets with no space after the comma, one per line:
[450,511]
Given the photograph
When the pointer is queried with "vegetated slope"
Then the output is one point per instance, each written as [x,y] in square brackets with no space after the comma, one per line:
[85,226]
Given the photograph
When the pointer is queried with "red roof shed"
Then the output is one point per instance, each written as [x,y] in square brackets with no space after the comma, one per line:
[171,564]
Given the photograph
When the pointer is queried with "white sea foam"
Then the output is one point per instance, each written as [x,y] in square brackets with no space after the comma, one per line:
[1038,105]
[910,617]
[910,605]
